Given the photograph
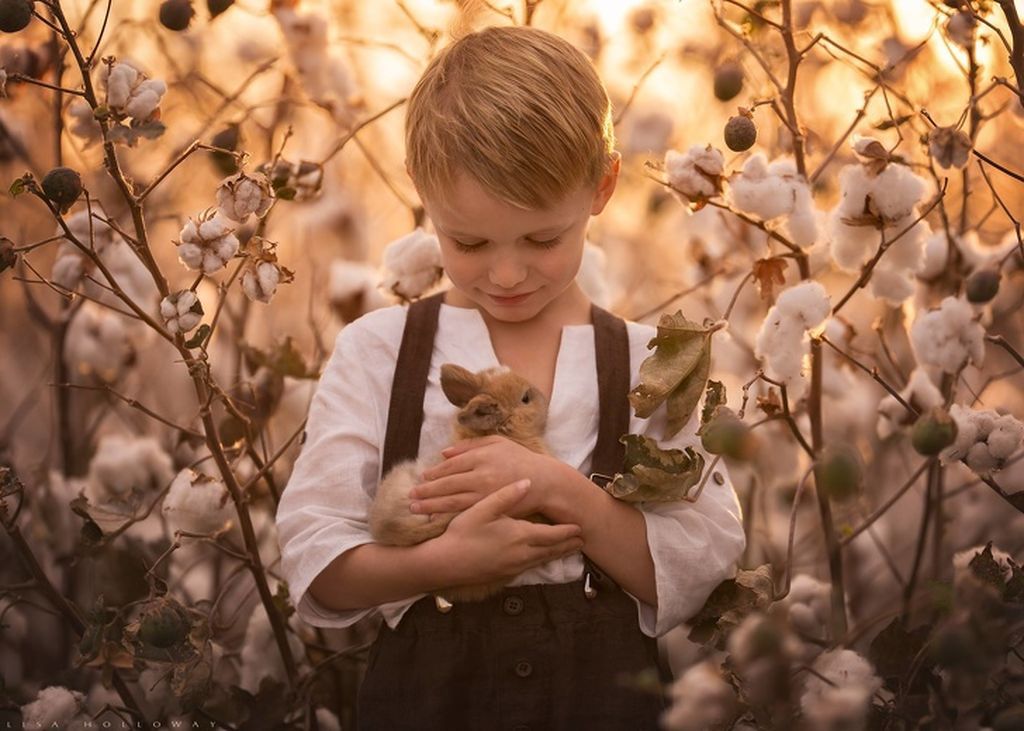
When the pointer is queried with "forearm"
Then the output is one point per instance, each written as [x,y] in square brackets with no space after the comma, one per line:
[373,574]
[614,532]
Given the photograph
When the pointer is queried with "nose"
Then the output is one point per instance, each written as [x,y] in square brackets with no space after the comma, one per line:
[507,272]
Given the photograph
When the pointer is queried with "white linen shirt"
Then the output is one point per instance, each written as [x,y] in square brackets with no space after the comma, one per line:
[324,507]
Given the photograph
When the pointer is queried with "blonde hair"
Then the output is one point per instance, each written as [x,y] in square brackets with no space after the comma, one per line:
[520,110]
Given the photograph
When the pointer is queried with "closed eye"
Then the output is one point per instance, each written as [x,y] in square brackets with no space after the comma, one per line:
[546,244]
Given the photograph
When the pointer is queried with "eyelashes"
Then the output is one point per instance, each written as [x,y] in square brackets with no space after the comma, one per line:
[468,248]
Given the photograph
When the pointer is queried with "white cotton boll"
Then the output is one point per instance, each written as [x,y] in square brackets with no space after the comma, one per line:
[259,282]
[412,264]
[906,252]
[895,192]
[962,562]
[197,503]
[1005,437]
[68,269]
[243,195]
[352,289]
[976,254]
[207,244]
[892,285]
[54,706]
[120,81]
[592,276]
[261,657]
[947,337]
[695,173]
[181,311]
[701,699]
[980,459]
[854,188]
[145,99]
[843,700]
[966,435]
[761,190]
[802,224]
[851,246]
[90,230]
[126,464]
[936,256]
[98,344]
[807,302]
[781,345]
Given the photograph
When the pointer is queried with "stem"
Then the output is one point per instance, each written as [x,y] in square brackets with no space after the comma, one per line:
[888,503]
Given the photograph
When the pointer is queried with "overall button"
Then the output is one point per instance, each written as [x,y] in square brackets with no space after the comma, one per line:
[524,669]
[513,605]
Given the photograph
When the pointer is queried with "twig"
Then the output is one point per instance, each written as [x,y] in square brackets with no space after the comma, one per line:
[884,507]
[792,534]
[1001,342]
[355,130]
[873,372]
[636,88]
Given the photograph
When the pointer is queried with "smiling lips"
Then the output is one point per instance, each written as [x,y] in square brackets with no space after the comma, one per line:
[510,300]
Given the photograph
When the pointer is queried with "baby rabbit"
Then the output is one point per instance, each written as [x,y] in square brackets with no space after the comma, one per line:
[492,401]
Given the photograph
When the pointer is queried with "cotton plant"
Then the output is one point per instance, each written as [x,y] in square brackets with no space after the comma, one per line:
[783,340]
[181,311]
[242,195]
[948,337]
[695,174]
[701,699]
[807,609]
[352,289]
[412,265]
[99,344]
[130,92]
[775,192]
[920,392]
[260,657]
[879,198]
[985,440]
[54,707]
[197,503]
[208,243]
[125,464]
[837,696]
[262,273]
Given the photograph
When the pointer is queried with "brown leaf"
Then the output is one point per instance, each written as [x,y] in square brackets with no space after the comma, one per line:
[949,147]
[769,272]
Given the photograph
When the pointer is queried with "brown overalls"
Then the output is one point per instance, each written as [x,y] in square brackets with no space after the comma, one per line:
[541,656]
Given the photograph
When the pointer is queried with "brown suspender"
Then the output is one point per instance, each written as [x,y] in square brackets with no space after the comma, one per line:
[405,410]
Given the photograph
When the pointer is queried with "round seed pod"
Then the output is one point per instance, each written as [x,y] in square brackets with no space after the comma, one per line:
[176,15]
[15,15]
[933,432]
[982,286]
[62,186]
[727,435]
[839,472]
[216,7]
[740,133]
[164,624]
[728,81]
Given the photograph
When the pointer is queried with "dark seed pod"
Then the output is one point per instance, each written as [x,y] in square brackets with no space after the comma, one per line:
[62,186]
[164,624]
[982,286]
[8,256]
[226,139]
[216,7]
[176,14]
[740,133]
[728,81]
[15,15]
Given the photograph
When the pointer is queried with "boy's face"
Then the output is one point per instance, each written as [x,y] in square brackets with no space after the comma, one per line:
[512,263]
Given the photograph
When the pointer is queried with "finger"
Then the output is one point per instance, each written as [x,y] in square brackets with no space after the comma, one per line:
[465,445]
[447,504]
[542,535]
[501,501]
[441,487]
[450,466]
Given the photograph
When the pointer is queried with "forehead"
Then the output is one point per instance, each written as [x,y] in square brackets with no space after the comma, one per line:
[469,208]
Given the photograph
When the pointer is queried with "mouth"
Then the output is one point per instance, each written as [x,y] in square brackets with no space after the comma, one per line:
[515,300]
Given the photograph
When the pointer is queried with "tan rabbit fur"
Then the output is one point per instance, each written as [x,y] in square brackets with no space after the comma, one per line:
[492,401]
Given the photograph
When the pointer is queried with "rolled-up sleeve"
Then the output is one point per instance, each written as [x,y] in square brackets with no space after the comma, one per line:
[323,509]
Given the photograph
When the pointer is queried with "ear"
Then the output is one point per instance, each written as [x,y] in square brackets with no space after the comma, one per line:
[458,384]
[606,186]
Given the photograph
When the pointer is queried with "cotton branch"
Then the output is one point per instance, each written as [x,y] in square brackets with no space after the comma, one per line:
[1017,52]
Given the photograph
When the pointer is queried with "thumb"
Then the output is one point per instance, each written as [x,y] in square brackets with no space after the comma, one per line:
[501,501]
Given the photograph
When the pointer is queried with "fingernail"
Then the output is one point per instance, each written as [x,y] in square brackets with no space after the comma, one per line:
[414,507]
[523,484]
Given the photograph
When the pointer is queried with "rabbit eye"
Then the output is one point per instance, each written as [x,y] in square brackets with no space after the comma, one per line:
[526,397]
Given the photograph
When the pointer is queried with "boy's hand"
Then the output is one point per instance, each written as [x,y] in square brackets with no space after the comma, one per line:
[475,468]
[485,544]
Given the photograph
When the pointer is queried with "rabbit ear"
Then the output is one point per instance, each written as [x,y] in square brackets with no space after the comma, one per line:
[458,384]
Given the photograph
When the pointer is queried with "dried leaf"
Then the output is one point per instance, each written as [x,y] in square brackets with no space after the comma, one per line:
[682,354]
[715,397]
[770,404]
[730,603]
[769,272]
[949,147]
[987,569]
[894,648]
[191,683]
[652,474]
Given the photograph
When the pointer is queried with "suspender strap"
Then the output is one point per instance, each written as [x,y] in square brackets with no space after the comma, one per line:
[611,350]
[405,410]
